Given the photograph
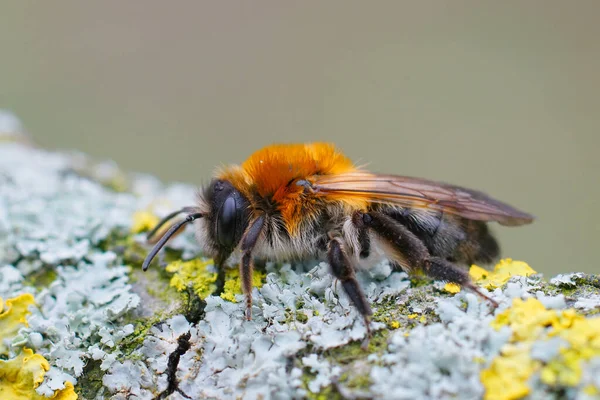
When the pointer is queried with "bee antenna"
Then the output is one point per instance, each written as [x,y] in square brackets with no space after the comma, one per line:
[163,240]
[188,210]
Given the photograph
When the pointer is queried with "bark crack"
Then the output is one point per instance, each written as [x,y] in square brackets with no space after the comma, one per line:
[183,345]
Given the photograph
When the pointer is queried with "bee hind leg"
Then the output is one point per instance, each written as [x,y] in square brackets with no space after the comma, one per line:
[443,270]
[412,252]
[341,268]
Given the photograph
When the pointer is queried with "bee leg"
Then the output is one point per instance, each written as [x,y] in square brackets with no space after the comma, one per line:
[219,265]
[364,241]
[444,270]
[246,267]
[341,268]
[411,252]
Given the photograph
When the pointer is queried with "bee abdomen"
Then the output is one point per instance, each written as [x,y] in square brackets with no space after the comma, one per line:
[449,237]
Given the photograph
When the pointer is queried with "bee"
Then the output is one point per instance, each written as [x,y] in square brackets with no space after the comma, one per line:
[309,201]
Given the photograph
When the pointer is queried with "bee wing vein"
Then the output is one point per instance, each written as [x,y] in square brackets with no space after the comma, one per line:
[416,192]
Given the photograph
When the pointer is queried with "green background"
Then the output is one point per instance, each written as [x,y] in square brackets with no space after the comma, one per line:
[499,96]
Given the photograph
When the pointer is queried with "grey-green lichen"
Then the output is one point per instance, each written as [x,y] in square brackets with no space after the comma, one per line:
[69,237]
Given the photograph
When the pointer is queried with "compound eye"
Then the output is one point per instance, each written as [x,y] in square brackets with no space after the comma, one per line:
[226,223]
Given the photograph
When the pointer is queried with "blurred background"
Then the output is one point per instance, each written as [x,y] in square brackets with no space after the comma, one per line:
[499,96]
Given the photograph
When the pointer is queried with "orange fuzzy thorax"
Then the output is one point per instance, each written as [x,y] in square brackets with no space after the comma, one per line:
[269,171]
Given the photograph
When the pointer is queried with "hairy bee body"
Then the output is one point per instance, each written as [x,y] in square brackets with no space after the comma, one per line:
[456,239]
[309,201]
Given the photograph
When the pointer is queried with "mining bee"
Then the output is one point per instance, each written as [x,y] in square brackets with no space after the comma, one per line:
[309,201]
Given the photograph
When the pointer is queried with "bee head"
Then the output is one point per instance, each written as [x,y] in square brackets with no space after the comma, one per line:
[227,216]
[223,213]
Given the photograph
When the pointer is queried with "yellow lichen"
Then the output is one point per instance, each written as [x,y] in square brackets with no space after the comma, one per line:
[591,390]
[233,285]
[193,273]
[529,319]
[502,272]
[452,287]
[68,393]
[203,280]
[394,324]
[12,317]
[20,376]
[583,337]
[477,273]
[508,375]
[143,221]
[413,316]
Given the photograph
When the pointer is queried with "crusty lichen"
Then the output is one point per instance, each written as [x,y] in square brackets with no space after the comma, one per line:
[13,313]
[22,374]
[568,341]
[115,331]
[503,271]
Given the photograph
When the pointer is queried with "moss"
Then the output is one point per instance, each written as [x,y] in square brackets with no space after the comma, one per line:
[353,351]
[419,280]
[398,313]
[133,252]
[327,393]
[89,385]
[301,317]
[134,341]
[582,287]
[553,290]
[186,303]
[163,295]
[383,309]
[361,381]
[586,279]
[155,283]
[41,278]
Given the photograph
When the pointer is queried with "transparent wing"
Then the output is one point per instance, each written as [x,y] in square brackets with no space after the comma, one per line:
[415,192]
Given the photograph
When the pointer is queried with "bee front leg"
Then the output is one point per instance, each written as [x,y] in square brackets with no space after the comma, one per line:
[246,267]
[341,268]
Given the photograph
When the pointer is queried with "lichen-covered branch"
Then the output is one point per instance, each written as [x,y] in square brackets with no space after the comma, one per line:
[79,319]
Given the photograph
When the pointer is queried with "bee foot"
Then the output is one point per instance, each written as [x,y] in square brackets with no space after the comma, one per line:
[365,343]
[493,303]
